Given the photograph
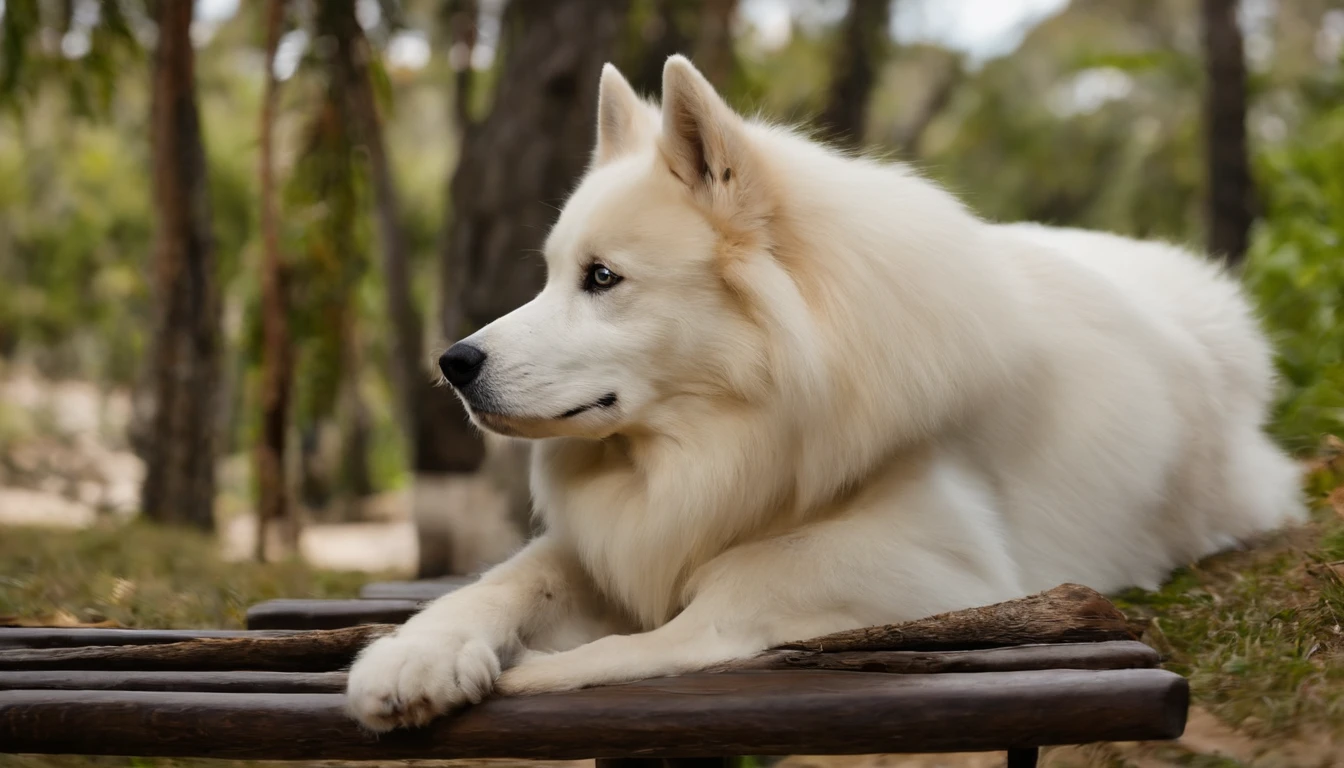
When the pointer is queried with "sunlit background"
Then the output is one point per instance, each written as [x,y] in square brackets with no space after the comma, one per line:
[1089,113]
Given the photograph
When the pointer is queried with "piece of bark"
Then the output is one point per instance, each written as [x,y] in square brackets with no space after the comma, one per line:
[1069,613]
[1116,654]
[319,651]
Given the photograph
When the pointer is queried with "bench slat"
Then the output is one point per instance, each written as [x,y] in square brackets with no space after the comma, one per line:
[60,637]
[61,672]
[780,712]
[329,614]
[427,589]
[222,682]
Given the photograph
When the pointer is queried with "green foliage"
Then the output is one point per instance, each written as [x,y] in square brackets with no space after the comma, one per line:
[72,255]
[1296,273]
[80,45]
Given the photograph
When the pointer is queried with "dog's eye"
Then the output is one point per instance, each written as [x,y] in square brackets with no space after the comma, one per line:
[600,278]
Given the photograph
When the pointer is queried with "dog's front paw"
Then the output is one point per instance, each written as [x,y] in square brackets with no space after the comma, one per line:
[406,680]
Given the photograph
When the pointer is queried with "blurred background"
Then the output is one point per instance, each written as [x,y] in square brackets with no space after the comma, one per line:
[234,233]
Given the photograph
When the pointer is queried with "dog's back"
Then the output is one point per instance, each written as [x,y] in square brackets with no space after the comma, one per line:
[1226,480]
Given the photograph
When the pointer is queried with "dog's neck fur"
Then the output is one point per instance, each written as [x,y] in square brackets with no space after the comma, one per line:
[644,512]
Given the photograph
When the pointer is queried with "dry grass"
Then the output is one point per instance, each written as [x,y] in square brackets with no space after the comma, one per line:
[143,576]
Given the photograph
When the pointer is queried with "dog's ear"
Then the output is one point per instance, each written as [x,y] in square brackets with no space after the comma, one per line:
[623,121]
[702,137]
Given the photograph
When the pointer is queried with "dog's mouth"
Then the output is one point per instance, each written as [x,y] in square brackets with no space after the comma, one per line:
[605,401]
[513,425]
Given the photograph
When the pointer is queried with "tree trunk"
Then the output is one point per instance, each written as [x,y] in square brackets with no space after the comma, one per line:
[356,477]
[273,501]
[462,34]
[910,137]
[179,485]
[858,58]
[520,163]
[409,365]
[516,166]
[714,55]
[1231,190]
[701,29]
[662,35]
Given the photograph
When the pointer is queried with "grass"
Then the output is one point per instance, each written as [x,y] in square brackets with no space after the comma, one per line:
[144,576]
[1259,632]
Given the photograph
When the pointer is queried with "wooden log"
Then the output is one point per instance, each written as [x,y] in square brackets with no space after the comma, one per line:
[423,590]
[43,637]
[321,651]
[222,682]
[1111,655]
[705,715]
[664,762]
[1069,613]
[329,614]
[1064,614]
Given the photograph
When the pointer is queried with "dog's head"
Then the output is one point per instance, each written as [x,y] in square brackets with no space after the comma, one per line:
[653,271]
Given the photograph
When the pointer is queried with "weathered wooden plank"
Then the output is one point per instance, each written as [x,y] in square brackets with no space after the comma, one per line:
[329,614]
[1111,655]
[60,637]
[779,712]
[664,762]
[1069,613]
[222,682]
[319,651]
[425,589]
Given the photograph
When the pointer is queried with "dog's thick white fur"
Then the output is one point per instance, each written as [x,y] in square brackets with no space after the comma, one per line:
[780,392]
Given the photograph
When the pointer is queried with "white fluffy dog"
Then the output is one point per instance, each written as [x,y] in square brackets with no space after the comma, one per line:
[780,392]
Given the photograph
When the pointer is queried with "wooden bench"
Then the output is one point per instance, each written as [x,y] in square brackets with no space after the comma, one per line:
[1056,668]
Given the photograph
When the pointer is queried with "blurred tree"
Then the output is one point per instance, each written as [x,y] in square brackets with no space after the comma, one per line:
[410,375]
[1231,190]
[859,54]
[700,29]
[460,17]
[515,167]
[713,52]
[660,28]
[179,451]
[328,194]
[36,39]
[277,363]
[910,135]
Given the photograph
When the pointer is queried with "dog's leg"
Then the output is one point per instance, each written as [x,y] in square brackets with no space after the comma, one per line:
[924,550]
[451,652]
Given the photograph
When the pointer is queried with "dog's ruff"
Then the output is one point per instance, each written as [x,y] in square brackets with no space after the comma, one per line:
[824,395]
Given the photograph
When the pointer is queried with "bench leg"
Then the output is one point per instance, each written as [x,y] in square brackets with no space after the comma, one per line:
[664,762]
[1023,757]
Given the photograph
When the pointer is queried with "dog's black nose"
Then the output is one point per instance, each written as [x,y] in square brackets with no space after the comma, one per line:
[461,363]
